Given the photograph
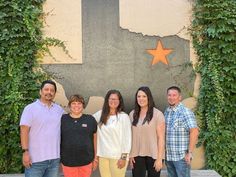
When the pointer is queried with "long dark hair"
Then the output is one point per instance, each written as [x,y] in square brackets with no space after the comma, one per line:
[106,108]
[137,108]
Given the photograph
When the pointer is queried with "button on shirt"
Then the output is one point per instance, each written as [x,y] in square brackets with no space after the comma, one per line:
[179,121]
[44,134]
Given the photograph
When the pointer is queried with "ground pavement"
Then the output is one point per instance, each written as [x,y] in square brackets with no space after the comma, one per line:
[194,173]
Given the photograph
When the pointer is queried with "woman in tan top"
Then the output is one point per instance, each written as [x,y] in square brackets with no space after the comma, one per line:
[148,136]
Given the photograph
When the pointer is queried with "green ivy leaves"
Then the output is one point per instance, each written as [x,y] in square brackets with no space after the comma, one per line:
[21,47]
[214,39]
[20,40]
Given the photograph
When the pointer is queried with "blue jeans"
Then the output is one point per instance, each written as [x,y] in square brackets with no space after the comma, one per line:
[47,168]
[178,168]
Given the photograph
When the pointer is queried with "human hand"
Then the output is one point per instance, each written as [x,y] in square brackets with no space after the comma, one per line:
[131,162]
[26,160]
[121,163]
[95,164]
[188,158]
[158,164]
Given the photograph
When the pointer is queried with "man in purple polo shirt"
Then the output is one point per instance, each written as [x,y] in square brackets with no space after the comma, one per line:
[40,134]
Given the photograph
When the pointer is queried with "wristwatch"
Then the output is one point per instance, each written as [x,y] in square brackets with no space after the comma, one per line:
[25,150]
[187,151]
[123,156]
[190,153]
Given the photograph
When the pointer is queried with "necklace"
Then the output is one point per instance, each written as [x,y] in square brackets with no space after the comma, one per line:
[76,117]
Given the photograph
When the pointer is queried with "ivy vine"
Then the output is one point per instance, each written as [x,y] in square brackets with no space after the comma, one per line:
[21,47]
[214,39]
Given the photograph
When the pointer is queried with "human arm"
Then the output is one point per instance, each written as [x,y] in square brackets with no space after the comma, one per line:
[95,161]
[24,136]
[193,138]
[161,143]
[131,162]
[125,140]
[131,159]
[191,125]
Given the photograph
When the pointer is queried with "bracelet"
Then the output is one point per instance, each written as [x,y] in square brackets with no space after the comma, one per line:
[25,150]
[187,151]
[190,154]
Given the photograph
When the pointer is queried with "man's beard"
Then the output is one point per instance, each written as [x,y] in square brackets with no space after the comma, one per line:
[171,105]
[49,97]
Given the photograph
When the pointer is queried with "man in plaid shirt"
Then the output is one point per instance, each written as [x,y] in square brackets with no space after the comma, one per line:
[181,135]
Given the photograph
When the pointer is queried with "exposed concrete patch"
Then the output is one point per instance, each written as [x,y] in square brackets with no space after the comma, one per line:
[190,102]
[60,97]
[95,104]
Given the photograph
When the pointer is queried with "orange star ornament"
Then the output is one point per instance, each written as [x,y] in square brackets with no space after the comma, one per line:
[159,54]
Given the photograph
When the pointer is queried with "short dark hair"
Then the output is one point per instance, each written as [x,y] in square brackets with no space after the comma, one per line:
[174,88]
[48,82]
[76,98]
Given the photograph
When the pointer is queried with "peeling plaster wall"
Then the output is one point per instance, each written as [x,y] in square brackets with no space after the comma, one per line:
[156,17]
[64,22]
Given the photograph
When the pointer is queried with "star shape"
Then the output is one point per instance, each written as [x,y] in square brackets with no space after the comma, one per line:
[159,54]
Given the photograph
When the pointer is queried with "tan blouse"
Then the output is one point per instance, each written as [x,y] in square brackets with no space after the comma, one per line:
[144,137]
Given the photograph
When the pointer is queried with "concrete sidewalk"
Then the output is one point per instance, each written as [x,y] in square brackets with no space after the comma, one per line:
[194,173]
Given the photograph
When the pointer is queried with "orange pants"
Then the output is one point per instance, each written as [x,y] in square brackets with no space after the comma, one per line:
[80,171]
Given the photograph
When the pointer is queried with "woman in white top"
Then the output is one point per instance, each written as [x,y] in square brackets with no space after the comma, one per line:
[114,136]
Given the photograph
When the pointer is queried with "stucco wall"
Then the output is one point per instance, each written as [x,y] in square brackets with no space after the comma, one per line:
[108,42]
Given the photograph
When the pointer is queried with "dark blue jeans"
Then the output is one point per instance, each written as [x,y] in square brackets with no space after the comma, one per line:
[47,168]
[178,168]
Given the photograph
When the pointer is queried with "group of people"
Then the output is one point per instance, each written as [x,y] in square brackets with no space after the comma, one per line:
[110,139]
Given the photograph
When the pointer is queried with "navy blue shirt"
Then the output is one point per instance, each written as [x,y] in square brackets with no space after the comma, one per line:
[77,147]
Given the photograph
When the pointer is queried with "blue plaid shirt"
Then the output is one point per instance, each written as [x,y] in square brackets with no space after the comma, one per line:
[179,121]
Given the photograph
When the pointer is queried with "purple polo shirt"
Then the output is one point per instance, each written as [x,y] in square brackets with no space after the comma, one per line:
[44,134]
